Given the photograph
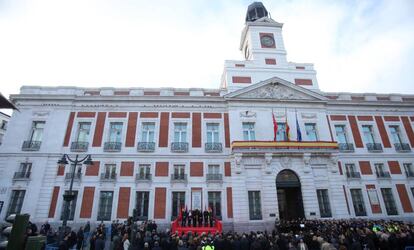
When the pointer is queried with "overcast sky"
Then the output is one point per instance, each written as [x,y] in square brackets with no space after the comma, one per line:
[356,46]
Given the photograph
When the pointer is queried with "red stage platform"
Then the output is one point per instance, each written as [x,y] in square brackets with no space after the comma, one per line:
[176,227]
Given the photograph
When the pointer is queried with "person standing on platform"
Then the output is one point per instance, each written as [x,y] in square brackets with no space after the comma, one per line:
[183,217]
[210,216]
[206,215]
[190,217]
[200,218]
[195,217]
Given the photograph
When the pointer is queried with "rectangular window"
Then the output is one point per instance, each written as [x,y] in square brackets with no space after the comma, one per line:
[389,201]
[368,132]
[83,131]
[255,207]
[179,171]
[323,201]
[214,202]
[214,169]
[25,168]
[105,205]
[16,202]
[178,202]
[4,125]
[380,169]
[281,131]
[395,134]
[110,170]
[148,130]
[115,131]
[144,170]
[350,168]
[142,204]
[180,132]
[248,131]
[311,132]
[409,170]
[71,205]
[341,134]
[212,132]
[358,202]
[36,133]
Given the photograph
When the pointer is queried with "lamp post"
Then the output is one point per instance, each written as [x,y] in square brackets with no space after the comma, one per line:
[68,197]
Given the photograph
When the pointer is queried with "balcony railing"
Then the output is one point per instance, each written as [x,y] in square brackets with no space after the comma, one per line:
[179,178]
[402,147]
[79,146]
[143,177]
[353,175]
[112,146]
[146,146]
[31,145]
[284,146]
[346,147]
[68,176]
[409,174]
[21,175]
[179,147]
[214,177]
[384,174]
[213,147]
[108,176]
[374,147]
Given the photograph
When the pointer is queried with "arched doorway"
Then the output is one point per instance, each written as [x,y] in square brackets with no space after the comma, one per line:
[289,195]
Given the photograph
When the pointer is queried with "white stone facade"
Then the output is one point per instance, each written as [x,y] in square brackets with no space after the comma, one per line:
[251,90]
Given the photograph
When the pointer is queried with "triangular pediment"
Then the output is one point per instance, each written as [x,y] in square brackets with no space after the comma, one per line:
[275,88]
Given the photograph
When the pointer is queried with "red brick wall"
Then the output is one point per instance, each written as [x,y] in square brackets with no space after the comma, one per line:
[52,208]
[241,79]
[131,129]
[86,114]
[306,82]
[405,200]
[226,130]
[227,169]
[69,129]
[338,118]
[391,118]
[270,61]
[99,129]
[229,192]
[365,167]
[383,132]
[87,202]
[394,167]
[355,131]
[93,170]
[127,168]
[212,115]
[196,169]
[365,118]
[376,208]
[161,169]
[123,202]
[196,141]
[163,140]
[61,170]
[180,115]
[160,201]
[148,115]
[117,114]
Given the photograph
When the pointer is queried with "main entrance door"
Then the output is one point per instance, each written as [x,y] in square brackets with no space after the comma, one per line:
[289,196]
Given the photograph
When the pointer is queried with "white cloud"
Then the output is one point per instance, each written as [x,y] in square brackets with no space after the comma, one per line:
[355,47]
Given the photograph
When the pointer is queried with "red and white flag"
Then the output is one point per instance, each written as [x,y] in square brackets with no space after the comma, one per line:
[274,126]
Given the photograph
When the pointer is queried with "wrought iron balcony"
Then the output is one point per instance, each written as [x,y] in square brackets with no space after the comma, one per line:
[384,174]
[143,177]
[353,175]
[68,176]
[402,147]
[409,174]
[213,147]
[108,176]
[31,145]
[112,146]
[146,146]
[392,211]
[374,147]
[179,147]
[21,175]
[178,178]
[346,147]
[282,147]
[214,177]
[79,146]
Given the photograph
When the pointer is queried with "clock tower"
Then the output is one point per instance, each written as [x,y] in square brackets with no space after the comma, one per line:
[264,55]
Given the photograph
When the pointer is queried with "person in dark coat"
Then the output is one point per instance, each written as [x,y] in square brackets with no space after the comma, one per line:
[244,243]
[100,242]
[205,215]
[79,238]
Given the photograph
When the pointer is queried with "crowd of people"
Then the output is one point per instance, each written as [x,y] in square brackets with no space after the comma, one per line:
[351,234]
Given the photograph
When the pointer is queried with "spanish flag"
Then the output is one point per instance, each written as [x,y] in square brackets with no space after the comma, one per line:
[287,129]
[274,127]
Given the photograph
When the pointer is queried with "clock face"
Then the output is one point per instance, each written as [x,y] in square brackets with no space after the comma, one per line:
[267,41]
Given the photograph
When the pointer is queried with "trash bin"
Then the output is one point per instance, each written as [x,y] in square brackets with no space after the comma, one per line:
[35,242]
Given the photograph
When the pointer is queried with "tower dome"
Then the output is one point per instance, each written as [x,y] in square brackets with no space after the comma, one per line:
[255,11]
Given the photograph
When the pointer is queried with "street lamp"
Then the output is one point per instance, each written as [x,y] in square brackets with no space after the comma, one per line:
[68,197]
